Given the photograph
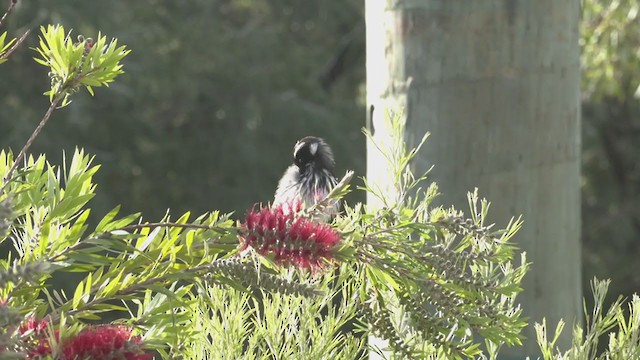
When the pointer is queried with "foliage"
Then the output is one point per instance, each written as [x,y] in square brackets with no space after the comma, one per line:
[72,64]
[4,46]
[437,281]
[453,279]
[123,261]
[204,102]
[610,48]
[178,286]
[622,329]
[234,325]
[432,282]
[610,39]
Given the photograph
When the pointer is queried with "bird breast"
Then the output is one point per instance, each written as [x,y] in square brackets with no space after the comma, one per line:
[308,187]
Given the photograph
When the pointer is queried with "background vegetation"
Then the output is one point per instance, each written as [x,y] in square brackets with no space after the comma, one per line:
[215,96]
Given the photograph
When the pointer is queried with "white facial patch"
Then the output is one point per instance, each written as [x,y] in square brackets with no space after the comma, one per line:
[297,147]
[313,148]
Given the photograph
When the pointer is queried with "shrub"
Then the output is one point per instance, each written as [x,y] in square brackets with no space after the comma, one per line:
[430,281]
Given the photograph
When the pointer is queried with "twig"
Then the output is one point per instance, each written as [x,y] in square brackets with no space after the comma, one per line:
[134,288]
[22,38]
[32,138]
[170,224]
[12,4]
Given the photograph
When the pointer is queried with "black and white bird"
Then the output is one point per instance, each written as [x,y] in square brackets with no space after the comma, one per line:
[310,178]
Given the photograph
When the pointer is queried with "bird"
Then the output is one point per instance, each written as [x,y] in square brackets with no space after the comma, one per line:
[310,178]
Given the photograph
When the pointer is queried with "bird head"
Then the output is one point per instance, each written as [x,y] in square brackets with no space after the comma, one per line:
[314,152]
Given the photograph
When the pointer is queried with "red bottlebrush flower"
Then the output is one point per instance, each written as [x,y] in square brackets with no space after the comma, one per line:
[105,342]
[39,327]
[290,238]
[35,337]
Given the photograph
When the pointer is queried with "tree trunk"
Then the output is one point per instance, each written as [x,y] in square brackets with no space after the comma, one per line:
[496,82]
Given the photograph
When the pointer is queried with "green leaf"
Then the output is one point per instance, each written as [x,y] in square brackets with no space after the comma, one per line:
[164,291]
[107,218]
[75,64]
[143,243]
[78,295]
[120,223]
[69,206]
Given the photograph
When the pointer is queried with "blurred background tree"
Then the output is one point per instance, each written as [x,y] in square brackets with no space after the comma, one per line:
[215,96]
[611,143]
[217,91]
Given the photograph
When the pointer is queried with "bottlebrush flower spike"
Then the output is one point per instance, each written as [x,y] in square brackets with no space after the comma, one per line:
[289,237]
[105,342]
[39,327]
[34,333]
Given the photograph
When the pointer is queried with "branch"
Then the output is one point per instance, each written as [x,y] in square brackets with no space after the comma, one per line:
[230,268]
[12,5]
[32,138]
[8,53]
[173,225]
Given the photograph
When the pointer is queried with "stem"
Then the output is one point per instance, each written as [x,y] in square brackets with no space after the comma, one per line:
[12,4]
[15,46]
[32,138]
[172,225]
[133,288]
